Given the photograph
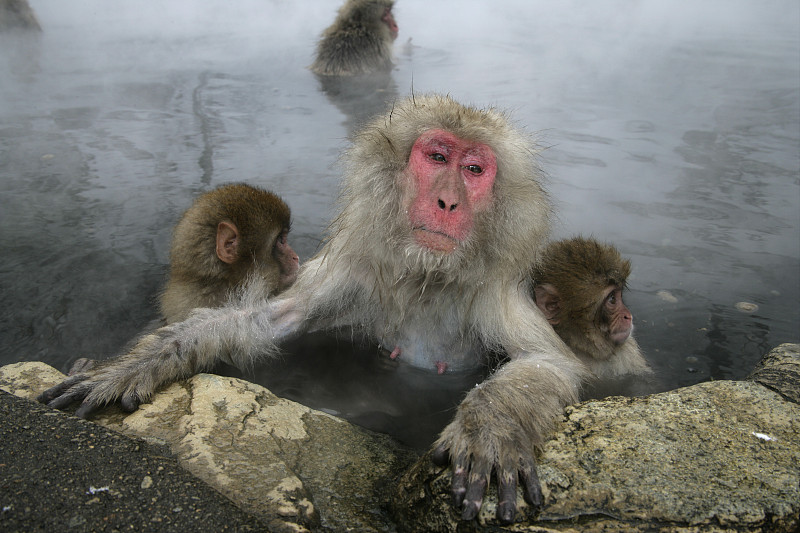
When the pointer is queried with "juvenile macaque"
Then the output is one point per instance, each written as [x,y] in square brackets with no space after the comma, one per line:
[17,15]
[578,285]
[359,41]
[442,211]
[231,236]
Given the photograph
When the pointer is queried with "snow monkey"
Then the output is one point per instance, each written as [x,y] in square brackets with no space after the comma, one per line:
[578,285]
[359,41]
[441,213]
[231,236]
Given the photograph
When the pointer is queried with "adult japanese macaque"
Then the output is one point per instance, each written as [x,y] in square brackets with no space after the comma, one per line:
[359,41]
[578,285]
[441,212]
[233,236]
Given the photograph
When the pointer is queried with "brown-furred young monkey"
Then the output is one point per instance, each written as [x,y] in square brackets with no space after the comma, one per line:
[233,238]
[442,212]
[359,41]
[236,234]
[578,285]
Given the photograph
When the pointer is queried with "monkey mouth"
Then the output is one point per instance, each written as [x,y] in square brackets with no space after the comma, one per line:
[620,337]
[435,240]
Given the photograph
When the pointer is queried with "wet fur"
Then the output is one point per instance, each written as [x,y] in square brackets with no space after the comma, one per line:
[358,42]
[370,275]
[581,269]
[198,278]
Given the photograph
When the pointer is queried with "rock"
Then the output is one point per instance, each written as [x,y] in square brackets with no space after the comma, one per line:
[717,456]
[295,468]
[779,370]
[59,473]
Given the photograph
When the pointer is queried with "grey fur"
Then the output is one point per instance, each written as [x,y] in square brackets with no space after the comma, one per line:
[370,275]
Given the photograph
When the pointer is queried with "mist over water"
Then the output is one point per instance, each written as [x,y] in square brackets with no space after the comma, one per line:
[671,129]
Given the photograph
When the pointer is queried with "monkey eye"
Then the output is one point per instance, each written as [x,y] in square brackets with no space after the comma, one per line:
[475,169]
[436,156]
[611,300]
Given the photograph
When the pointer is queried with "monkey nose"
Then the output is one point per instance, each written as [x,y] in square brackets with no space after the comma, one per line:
[447,206]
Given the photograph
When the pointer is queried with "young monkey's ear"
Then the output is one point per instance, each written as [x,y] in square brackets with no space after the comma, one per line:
[227,242]
[549,301]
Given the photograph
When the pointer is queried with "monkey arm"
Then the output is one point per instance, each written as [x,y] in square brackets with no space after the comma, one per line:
[502,421]
[248,328]
[238,333]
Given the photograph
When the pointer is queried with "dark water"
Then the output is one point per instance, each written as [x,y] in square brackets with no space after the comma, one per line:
[671,129]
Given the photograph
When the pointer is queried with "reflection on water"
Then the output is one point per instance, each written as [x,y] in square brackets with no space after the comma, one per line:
[672,131]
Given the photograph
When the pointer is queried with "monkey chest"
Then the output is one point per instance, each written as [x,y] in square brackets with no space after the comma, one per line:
[436,343]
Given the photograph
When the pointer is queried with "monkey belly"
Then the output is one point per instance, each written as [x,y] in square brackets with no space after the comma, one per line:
[432,353]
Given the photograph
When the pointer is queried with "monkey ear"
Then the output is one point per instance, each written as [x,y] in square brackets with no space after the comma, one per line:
[227,242]
[549,301]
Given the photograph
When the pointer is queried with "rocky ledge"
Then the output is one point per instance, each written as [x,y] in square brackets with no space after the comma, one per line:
[717,456]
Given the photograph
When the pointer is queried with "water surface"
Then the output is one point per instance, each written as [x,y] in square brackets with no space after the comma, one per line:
[670,129]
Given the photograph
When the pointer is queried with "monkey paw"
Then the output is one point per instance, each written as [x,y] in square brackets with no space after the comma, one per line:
[92,391]
[474,451]
[130,379]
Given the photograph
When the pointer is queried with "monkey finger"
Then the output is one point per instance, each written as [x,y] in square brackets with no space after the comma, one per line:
[86,409]
[531,488]
[478,481]
[54,392]
[459,481]
[129,402]
[74,395]
[506,496]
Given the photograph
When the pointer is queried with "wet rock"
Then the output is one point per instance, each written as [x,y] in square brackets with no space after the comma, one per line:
[717,456]
[295,468]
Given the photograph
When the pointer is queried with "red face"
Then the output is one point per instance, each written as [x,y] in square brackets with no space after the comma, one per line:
[453,181]
[619,318]
[388,19]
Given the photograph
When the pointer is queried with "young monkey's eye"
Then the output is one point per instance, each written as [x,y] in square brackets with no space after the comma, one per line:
[438,157]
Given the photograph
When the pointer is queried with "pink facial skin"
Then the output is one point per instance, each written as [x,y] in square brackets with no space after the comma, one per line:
[620,319]
[388,19]
[454,180]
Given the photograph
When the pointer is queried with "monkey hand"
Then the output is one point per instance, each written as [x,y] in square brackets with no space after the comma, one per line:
[130,379]
[484,436]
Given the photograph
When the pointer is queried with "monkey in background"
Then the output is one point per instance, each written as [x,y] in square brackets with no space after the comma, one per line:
[234,235]
[232,239]
[578,285]
[442,213]
[18,15]
[354,61]
[359,41]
